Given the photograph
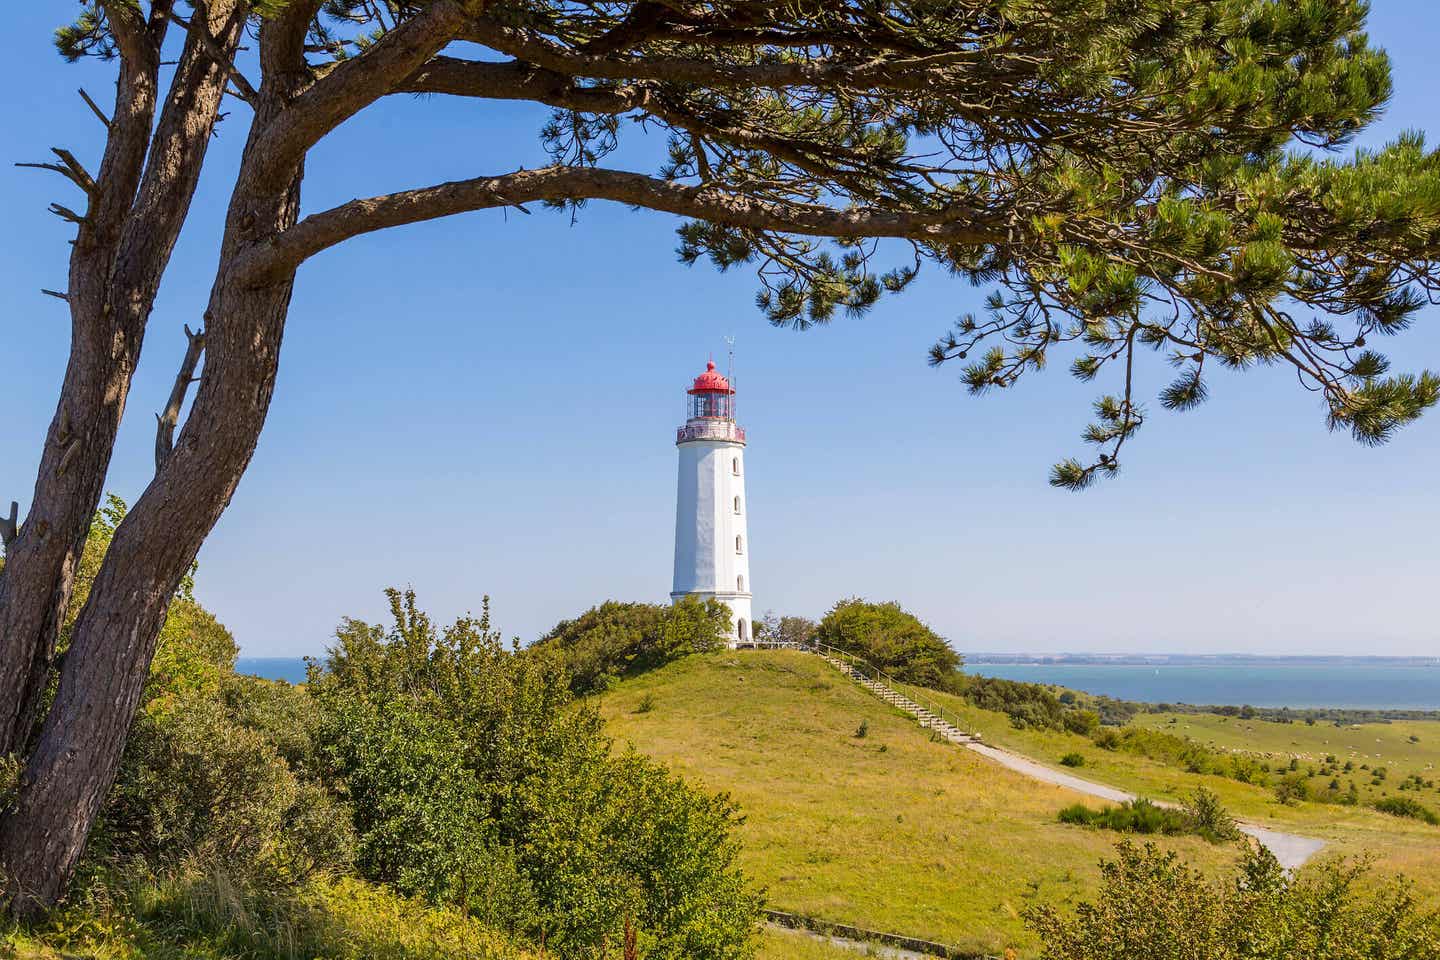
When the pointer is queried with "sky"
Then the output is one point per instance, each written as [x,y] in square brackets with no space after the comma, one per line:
[485,406]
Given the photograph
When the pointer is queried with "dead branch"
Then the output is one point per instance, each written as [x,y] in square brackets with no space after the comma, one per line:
[10,526]
[94,108]
[166,421]
[243,88]
[56,294]
[65,213]
[69,168]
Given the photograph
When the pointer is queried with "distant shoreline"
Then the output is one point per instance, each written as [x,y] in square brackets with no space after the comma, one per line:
[1192,660]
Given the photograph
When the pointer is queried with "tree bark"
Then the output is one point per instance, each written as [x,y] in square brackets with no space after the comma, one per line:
[120,255]
[78,749]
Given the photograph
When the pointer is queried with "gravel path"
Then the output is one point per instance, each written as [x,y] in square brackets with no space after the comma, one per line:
[1290,849]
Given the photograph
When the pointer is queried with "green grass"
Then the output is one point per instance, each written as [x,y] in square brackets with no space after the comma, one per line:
[204,917]
[1396,845]
[892,831]
[793,945]
[1365,747]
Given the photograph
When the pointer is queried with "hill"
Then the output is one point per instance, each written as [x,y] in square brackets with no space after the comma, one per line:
[890,830]
[1396,845]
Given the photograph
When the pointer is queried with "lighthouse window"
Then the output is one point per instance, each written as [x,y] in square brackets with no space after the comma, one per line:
[740,584]
[737,504]
[739,544]
[735,466]
[742,632]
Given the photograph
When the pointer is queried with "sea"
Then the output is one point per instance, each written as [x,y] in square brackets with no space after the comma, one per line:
[1294,683]
[1353,685]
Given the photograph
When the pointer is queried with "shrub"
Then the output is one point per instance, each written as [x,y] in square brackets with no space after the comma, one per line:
[646,704]
[477,783]
[1406,807]
[617,640]
[892,639]
[1209,818]
[1026,704]
[1132,816]
[863,730]
[777,629]
[1292,789]
[1072,760]
[1083,722]
[1151,904]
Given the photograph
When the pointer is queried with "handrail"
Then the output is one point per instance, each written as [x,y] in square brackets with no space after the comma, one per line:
[860,664]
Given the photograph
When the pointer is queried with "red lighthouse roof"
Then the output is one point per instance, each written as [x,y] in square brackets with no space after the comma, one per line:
[711,381]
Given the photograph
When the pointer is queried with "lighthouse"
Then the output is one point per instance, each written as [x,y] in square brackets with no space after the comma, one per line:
[712,550]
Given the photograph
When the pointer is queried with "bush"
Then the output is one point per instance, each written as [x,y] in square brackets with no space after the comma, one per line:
[890,638]
[477,783]
[617,640]
[1209,818]
[1132,816]
[1072,760]
[777,629]
[1151,905]
[1292,789]
[219,771]
[1406,807]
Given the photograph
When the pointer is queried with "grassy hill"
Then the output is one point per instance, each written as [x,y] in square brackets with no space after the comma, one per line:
[890,830]
[1397,845]
[1385,759]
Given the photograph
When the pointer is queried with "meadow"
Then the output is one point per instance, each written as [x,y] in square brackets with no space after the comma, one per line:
[1395,844]
[892,830]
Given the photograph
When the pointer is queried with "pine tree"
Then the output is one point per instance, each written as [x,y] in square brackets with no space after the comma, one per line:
[1128,178]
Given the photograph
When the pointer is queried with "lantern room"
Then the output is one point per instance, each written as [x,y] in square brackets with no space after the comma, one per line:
[711,396]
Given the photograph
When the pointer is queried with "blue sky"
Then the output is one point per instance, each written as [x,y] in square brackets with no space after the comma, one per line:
[486,405]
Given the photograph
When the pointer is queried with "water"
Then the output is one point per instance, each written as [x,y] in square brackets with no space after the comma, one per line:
[1349,686]
[289,669]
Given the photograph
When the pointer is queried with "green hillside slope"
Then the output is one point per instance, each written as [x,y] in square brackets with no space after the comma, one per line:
[1394,844]
[890,831]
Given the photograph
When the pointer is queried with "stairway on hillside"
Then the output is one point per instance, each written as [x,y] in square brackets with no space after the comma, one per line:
[890,695]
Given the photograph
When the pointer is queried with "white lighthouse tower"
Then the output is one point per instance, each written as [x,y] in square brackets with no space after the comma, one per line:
[712,551]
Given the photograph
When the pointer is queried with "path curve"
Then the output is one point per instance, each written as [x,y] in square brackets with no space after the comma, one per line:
[1292,850]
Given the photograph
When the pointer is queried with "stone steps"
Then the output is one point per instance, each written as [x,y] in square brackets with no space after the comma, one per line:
[900,702]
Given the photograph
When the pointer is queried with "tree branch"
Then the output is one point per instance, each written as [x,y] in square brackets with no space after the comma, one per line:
[224,59]
[355,83]
[10,526]
[94,108]
[518,81]
[319,231]
[166,421]
[910,73]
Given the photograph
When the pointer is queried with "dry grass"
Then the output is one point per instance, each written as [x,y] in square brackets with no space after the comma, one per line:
[892,831]
[1396,845]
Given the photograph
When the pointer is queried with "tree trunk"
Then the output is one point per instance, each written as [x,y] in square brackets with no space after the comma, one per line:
[79,746]
[120,255]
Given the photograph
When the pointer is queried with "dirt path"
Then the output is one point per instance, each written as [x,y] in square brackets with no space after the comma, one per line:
[1292,850]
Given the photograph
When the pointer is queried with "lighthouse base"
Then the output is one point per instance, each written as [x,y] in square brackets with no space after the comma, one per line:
[742,624]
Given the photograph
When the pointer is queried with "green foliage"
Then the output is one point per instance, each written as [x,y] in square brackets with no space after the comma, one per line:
[1132,816]
[476,783]
[892,639]
[198,914]
[1073,759]
[1208,817]
[1180,752]
[1406,807]
[218,771]
[1152,905]
[1292,789]
[616,640]
[777,629]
